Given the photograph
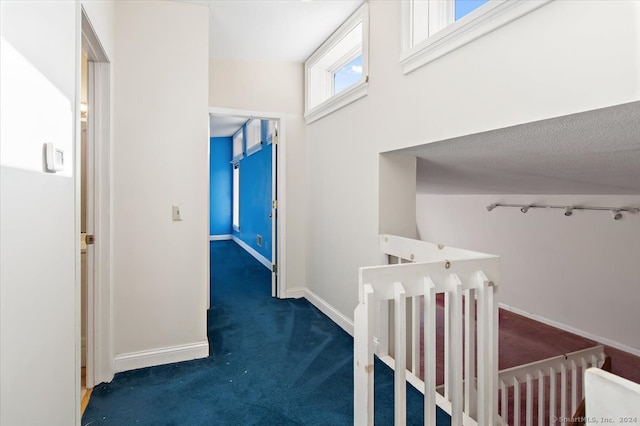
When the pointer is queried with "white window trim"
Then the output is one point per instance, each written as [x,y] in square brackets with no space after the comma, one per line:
[237,157]
[235,197]
[487,18]
[253,126]
[352,93]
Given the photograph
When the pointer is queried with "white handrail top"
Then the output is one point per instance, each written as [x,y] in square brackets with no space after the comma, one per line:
[413,276]
[423,251]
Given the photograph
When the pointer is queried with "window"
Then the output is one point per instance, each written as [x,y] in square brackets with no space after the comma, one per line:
[336,73]
[254,141]
[431,29]
[236,196]
[238,145]
[347,75]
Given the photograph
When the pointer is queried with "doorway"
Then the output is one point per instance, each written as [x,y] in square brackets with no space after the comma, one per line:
[245,148]
[93,208]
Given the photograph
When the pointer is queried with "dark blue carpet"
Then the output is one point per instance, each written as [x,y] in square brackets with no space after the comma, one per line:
[272,362]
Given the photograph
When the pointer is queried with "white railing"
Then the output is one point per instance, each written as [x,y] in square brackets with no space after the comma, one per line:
[550,389]
[388,323]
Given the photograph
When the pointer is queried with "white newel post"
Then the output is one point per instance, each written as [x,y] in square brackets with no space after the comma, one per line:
[363,360]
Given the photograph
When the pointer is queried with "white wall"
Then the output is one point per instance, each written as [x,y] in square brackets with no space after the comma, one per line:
[275,87]
[580,271]
[39,330]
[566,57]
[160,146]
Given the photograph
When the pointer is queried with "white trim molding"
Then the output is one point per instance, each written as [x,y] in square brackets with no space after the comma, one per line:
[221,237]
[160,356]
[260,258]
[336,102]
[296,293]
[487,18]
[348,42]
[280,237]
[568,328]
[336,316]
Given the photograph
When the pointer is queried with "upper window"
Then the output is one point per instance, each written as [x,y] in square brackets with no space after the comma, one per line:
[254,141]
[336,73]
[238,145]
[433,28]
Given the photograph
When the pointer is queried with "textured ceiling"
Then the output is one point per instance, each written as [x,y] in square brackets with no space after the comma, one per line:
[595,152]
[273,30]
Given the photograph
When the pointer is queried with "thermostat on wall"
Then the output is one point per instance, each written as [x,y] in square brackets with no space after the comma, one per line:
[54,158]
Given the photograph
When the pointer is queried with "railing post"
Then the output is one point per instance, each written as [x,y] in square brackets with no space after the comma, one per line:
[429,337]
[400,374]
[470,353]
[455,351]
[363,360]
[487,359]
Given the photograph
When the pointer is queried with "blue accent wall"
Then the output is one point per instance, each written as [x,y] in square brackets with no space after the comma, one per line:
[255,198]
[221,180]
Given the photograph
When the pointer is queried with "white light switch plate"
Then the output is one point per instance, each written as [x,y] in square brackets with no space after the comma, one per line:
[175,211]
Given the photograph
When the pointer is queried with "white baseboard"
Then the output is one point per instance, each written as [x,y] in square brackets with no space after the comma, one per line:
[296,293]
[561,326]
[220,237]
[134,360]
[260,258]
[336,316]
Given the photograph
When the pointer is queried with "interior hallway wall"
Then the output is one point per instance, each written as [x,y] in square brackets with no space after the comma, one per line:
[39,295]
[514,75]
[160,159]
[581,271]
[274,87]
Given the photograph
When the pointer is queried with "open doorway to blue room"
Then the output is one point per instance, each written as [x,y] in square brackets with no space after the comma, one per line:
[243,194]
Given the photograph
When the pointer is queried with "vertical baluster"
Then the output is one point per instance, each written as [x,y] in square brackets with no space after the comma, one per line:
[574,387]
[540,398]
[429,333]
[363,360]
[516,402]
[447,344]
[529,406]
[563,391]
[552,393]
[400,374]
[470,353]
[415,335]
[585,365]
[383,328]
[455,370]
[504,398]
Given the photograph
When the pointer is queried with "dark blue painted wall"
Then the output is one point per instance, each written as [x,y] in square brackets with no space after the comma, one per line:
[221,180]
[255,198]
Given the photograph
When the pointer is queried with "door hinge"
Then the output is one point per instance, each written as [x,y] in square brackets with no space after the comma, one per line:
[274,204]
[89,239]
[274,268]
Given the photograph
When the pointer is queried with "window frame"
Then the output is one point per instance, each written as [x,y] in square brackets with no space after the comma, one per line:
[315,84]
[253,132]
[239,135]
[450,35]
[235,196]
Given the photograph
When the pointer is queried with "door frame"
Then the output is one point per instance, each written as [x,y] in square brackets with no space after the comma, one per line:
[99,359]
[278,253]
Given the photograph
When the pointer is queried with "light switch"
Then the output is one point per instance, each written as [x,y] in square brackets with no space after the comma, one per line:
[175,210]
